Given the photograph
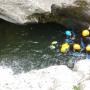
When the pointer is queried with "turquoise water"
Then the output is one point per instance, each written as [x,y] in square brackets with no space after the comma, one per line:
[27,47]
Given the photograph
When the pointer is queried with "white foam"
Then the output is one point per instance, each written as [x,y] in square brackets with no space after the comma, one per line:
[9,81]
[44,79]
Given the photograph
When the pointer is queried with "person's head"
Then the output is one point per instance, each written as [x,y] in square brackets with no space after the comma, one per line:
[85,33]
[64,47]
[76,47]
[68,33]
[88,48]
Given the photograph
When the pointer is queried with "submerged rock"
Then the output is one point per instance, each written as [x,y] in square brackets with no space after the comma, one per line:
[26,11]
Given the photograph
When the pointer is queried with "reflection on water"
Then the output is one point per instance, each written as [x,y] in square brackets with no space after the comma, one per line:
[27,47]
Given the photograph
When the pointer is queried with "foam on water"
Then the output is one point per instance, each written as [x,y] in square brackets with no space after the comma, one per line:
[21,81]
[6,78]
[43,79]
[9,81]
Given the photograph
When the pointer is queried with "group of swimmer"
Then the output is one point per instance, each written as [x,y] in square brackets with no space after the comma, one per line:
[74,43]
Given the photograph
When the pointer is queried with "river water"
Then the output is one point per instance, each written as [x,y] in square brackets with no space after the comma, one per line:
[24,48]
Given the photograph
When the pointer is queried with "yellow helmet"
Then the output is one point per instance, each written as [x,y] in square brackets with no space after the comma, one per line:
[64,47]
[76,47]
[85,33]
[63,50]
[88,48]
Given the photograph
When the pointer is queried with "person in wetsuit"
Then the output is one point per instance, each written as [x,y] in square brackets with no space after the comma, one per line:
[85,42]
[69,37]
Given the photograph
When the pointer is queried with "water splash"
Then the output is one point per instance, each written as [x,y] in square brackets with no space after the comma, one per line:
[9,81]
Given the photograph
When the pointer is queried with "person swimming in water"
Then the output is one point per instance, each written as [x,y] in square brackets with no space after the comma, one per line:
[85,42]
[69,37]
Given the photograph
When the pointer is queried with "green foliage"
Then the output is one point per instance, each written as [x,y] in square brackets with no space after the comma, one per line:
[76,88]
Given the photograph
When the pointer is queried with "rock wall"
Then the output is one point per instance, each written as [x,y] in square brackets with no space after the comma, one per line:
[24,11]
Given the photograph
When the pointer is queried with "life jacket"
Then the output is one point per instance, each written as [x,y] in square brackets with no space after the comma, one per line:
[68,40]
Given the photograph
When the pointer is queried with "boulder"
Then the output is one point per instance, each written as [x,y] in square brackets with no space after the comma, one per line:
[85,85]
[83,67]
[16,11]
[33,11]
[51,78]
